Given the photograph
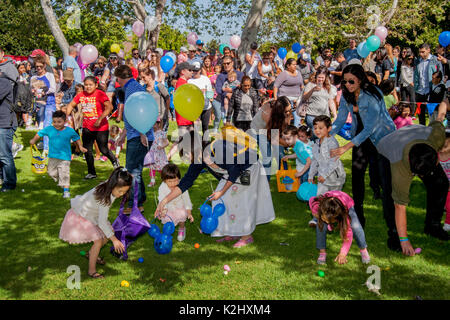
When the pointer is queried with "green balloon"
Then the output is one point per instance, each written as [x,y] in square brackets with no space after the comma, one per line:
[221,47]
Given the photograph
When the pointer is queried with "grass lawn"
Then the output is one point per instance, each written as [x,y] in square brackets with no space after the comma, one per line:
[33,261]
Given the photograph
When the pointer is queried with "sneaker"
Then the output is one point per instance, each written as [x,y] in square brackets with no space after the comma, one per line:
[103,158]
[66,195]
[181,234]
[243,243]
[365,258]
[90,176]
[312,223]
[152,183]
[446,225]
[436,232]
[322,258]
[17,147]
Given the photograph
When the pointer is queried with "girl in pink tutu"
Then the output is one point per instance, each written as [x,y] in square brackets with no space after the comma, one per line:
[179,209]
[156,157]
[87,219]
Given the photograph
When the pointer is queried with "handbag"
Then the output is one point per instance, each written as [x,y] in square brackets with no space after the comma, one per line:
[286,180]
[38,164]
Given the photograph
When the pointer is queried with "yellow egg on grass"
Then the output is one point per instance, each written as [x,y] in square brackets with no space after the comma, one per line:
[125,284]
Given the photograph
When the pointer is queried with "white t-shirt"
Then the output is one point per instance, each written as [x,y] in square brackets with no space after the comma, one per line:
[204,84]
[318,102]
[252,70]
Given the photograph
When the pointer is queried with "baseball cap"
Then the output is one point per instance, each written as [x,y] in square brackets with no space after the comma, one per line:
[183,49]
[196,66]
[199,42]
[355,61]
[184,66]
[68,75]
[304,57]
[192,48]
[160,51]
[37,52]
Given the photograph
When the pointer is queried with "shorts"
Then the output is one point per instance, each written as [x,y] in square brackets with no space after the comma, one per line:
[59,170]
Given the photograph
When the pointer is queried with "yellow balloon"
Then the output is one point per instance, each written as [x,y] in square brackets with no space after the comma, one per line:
[291,54]
[115,48]
[189,101]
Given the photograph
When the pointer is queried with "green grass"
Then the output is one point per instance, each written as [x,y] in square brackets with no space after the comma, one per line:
[30,223]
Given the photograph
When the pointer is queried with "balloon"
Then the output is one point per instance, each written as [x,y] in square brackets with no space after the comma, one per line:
[166,63]
[291,54]
[172,55]
[163,241]
[282,52]
[444,38]
[210,217]
[121,54]
[362,49]
[235,41]
[192,38]
[78,46]
[141,111]
[306,191]
[151,23]
[138,28]
[381,32]
[115,48]
[296,47]
[373,43]
[53,62]
[189,101]
[82,67]
[88,54]
[127,46]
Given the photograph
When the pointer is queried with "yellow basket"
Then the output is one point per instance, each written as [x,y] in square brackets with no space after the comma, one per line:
[286,180]
[38,163]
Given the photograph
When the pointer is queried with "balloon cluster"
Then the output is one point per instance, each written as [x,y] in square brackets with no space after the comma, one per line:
[210,219]
[163,241]
[373,42]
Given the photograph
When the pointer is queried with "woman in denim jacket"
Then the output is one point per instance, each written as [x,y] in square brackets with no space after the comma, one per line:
[370,123]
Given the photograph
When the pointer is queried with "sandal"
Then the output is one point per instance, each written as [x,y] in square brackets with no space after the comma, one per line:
[99,259]
[227,238]
[96,275]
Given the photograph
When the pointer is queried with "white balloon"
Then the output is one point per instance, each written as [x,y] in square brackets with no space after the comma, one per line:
[151,23]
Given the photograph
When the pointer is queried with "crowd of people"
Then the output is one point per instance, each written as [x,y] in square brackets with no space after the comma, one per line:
[292,108]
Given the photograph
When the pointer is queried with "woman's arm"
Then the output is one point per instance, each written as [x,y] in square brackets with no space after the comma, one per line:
[260,70]
[332,107]
[401,224]
[218,194]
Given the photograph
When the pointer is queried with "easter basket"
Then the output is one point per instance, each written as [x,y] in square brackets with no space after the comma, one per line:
[38,164]
[286,180]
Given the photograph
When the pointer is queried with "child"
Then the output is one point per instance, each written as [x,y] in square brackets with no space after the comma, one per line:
[389,92]
[444,159]
[87,219]
[331,173]
[298,140]
[156,158]
[400,114]
[337,207]
[178,209]
[114,134]
[228,87]
[60,153]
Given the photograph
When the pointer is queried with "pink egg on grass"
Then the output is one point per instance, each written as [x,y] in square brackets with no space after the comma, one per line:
[226,268]
[418,250]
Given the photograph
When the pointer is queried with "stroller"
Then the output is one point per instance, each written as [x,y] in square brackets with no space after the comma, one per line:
[128,228]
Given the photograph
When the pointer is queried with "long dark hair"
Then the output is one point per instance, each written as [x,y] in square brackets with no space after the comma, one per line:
[120,177]
[277,116]
[358,71]
[333,210]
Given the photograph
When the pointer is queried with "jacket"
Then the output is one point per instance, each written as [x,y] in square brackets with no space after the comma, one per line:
[234,107]
[9,69]
[376,120]
[8,117]
[433,66]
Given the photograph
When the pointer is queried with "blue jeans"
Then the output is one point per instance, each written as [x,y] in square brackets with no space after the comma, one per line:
[6,158]
[135,155]
[217,113]
[309,123]
[358,232]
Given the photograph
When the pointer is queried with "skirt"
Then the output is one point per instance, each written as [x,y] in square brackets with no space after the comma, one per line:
[76,229]
[246,206]
[177,215]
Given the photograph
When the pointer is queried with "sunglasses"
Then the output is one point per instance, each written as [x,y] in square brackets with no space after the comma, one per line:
[227,63]
[113,59]
[135,53]
[344,82]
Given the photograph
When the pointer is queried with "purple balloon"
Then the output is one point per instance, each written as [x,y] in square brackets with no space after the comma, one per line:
[78,46]
[138,28]
[88,54]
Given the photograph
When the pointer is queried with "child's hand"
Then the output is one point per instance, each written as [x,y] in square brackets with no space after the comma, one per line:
[191,218]
[118,246]
[297,174]
[83,149]
[320,179]
[341,259]
[284,158]
[310,181]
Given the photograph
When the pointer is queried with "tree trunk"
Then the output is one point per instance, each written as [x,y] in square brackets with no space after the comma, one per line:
[154,35]
[54,26]
[251,27]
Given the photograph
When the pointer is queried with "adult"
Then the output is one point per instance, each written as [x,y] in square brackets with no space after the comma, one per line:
[351,52]
[319,97]
[392,55]
[337,74]
[407,91]
[7,67]
[243,105]
[370,122]
[135,57]
[305,67]
[192,55]
[182,57]
[71,64]
[227,53]
[326,52]
[424,68]
[252,58]
[67,89]
[267,126]
[275,64]
[200,53]
[138,144]
[289,83]
[8,125]
[204,84]
[48,105]
[383,65]
[247,203]
[24,98]
[277,60]
[155,65]
[101,62]
[416,153]
[96,107]
[265,74]
[159,93]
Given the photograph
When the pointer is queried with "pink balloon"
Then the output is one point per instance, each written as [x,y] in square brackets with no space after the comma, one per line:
[78,46]
[235,41]
[192,38]
[381,32]
[88,54]
[138,28]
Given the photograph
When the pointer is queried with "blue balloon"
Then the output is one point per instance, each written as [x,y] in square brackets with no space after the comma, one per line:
[306,191]
[444,38]
[209,224]
[210,219]
[163,241]
[373,43]
[346,132]
[141,111]
[282,52]
[362,50]
[296,47]
[166,63]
